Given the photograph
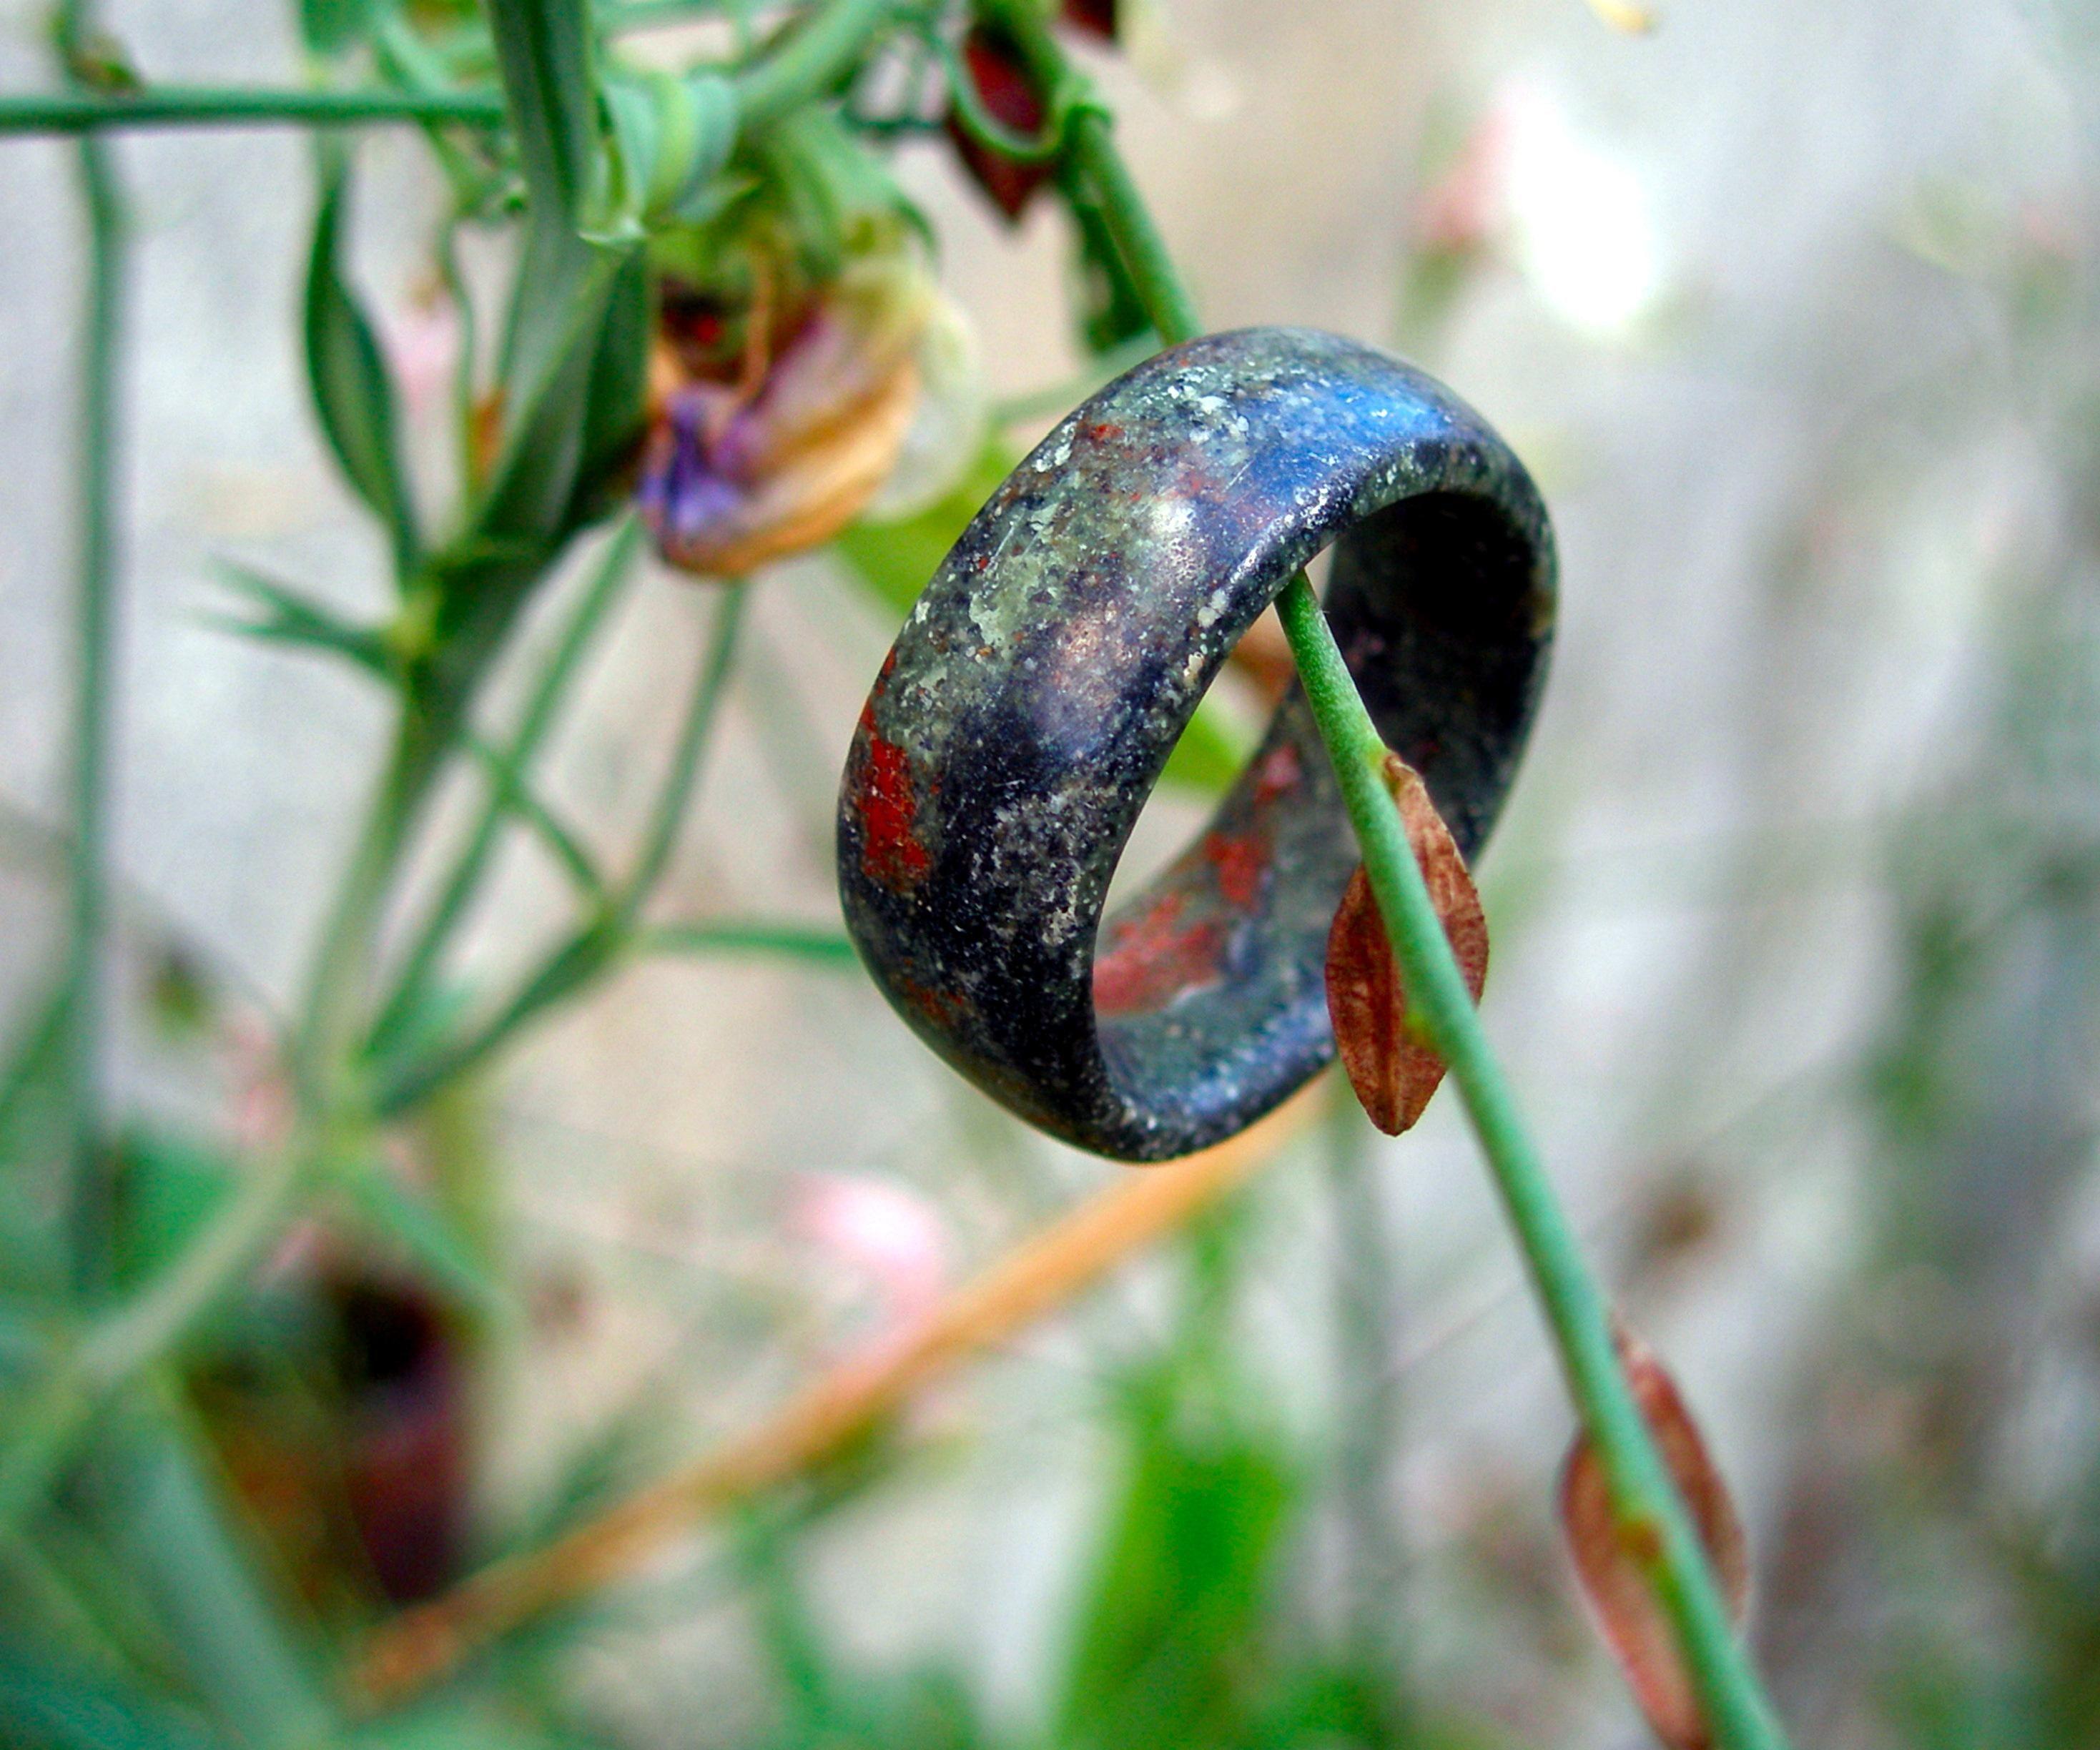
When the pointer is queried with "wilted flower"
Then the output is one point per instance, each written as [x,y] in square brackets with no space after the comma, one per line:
[775,447]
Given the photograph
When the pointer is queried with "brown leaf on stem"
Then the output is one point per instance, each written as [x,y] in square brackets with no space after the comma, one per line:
[1612,1560]
[1393,1070]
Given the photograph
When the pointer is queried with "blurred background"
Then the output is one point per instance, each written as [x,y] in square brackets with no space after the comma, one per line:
[1791,308]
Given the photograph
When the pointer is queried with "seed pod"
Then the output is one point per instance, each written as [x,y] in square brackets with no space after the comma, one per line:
[1393,1070]
[1610,1567]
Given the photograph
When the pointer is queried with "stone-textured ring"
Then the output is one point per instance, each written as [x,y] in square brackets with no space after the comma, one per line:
[1035,693]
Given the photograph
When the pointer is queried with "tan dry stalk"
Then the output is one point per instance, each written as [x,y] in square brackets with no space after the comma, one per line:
[1036,1278]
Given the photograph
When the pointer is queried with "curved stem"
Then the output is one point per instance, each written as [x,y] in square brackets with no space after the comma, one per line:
[693,734]
[1650,1513]
[811,58]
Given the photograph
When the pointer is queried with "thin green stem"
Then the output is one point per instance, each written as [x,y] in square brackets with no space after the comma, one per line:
[176,106]
[812,56]
[793,941]
[321,1064]
[694,735]
[95,698]
[613,570]
[1650,1513]
[520,800]
[589,951]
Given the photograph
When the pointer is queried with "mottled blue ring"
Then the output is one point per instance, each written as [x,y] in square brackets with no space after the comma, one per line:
[1035,692]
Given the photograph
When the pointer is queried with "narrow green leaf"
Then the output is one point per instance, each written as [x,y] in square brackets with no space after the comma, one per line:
[280,614]
[558,330]
[543,52]
[351,392]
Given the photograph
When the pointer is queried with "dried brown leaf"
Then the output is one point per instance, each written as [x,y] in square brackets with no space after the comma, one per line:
[1609,1560]
[1393,1071]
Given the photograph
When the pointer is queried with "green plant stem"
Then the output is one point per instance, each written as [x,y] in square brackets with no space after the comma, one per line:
[174,106]
[1652,1515]
[591,949]
[793,941]
[695,733]
[814,56]
[809,58]
[615,568]
[133,1338]
[94,699]
[322,1066]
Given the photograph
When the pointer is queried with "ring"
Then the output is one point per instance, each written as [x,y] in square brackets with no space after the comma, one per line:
[1029,704]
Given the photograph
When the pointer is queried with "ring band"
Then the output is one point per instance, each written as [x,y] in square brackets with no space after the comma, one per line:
[1029,704]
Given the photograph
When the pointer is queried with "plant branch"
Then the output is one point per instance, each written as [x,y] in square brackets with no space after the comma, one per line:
[615,568]
[693,734]
[1034,1279]
[809,58]
[176,106]
[795,941]
[594,946]
[1650,1513]
[94,699]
